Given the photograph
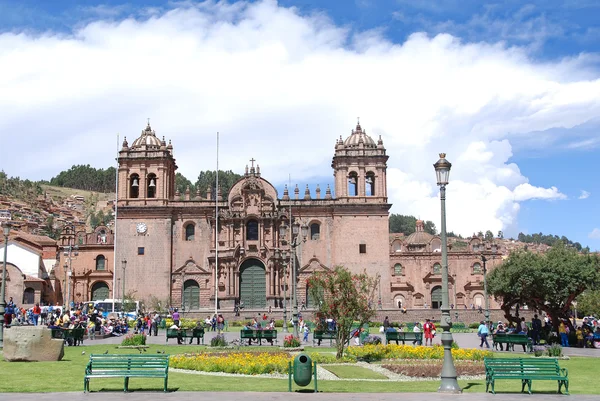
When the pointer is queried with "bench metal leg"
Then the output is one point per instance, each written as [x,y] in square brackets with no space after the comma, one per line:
[126,384]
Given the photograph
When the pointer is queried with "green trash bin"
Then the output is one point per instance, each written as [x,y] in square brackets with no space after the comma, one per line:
[163,323]
[302,370]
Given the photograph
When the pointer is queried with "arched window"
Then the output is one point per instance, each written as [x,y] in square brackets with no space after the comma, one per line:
[100,262]
[397,246]
[151,186]
[315,231]
[397,269]
[134,186]
[252,230]
[29,296]
[437,268]
[353,184]
[190,231]
[477,268]
[370,184]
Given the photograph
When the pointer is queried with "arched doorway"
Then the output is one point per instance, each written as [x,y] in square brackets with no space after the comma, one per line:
[436,297]
[29,296]
[191,295]
[253,286]
[100,291]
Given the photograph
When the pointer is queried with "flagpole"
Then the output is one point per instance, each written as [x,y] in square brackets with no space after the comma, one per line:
[217,232]
[114,286]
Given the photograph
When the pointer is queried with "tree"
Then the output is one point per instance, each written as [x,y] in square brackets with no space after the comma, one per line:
[547,282]
[208,179]
[489,236]
[87,178]
[182,184]
[407,224]
[344,297]
[500,235]
[588,303]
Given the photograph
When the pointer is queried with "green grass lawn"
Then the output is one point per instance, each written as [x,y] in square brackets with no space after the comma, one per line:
[354,372]
[67,375]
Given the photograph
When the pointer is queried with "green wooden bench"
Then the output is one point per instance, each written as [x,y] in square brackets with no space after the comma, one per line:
[126,366]
[403,336]
[512,340]
[526,370]
[319,335]
[71,336]
[196,332]
[258,335]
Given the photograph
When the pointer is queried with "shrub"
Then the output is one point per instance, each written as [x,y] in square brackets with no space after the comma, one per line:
[134,339]
[184,323]
[322,358]
[554,350]
[218,341]
[474,325]
[291,341]
[539,350]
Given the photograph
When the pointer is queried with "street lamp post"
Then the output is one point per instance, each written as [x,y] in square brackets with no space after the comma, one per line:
[123,266]
[449,382]
[485,291]
[69,251]
[281,257]
[6,231]
[303,231]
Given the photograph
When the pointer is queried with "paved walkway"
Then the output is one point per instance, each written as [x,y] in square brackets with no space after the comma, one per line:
[255,396]
[464,340]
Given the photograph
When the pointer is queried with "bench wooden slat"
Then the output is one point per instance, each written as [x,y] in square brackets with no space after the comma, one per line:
[259,335]
[126,366]
[526,370]
[403,336]
[196,332]
[319,335]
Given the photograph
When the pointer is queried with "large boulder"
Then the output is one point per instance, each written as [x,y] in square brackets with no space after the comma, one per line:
[32,344]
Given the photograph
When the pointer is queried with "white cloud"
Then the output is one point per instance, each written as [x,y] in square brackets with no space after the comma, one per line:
[282,87]
[584,194]
[595,234]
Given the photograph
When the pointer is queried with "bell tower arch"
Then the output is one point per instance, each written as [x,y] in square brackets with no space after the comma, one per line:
[146,170]
[360,167]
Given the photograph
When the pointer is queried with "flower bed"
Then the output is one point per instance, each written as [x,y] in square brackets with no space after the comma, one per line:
[234,362]
[393,351]
[432,368]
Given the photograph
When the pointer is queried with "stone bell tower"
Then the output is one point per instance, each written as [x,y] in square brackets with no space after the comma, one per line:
[146,170]
[359,167]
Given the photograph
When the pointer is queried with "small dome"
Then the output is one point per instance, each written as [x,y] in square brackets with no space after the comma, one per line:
[148,139]
[359,136]
[419,238]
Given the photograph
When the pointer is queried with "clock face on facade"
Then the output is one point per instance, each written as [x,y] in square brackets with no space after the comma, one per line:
[141,228]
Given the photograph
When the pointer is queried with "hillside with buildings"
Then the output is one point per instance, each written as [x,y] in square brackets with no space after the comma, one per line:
[48,213]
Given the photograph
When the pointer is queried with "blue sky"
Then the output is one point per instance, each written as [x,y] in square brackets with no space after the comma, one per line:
[510,90]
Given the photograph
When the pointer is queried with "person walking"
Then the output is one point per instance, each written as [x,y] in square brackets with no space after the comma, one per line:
[429,331]
[386,324]
[562,331]
[536,329]
[483,333]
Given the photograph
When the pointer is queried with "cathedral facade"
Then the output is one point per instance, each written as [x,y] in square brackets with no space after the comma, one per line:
[169,248]
[178,252]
